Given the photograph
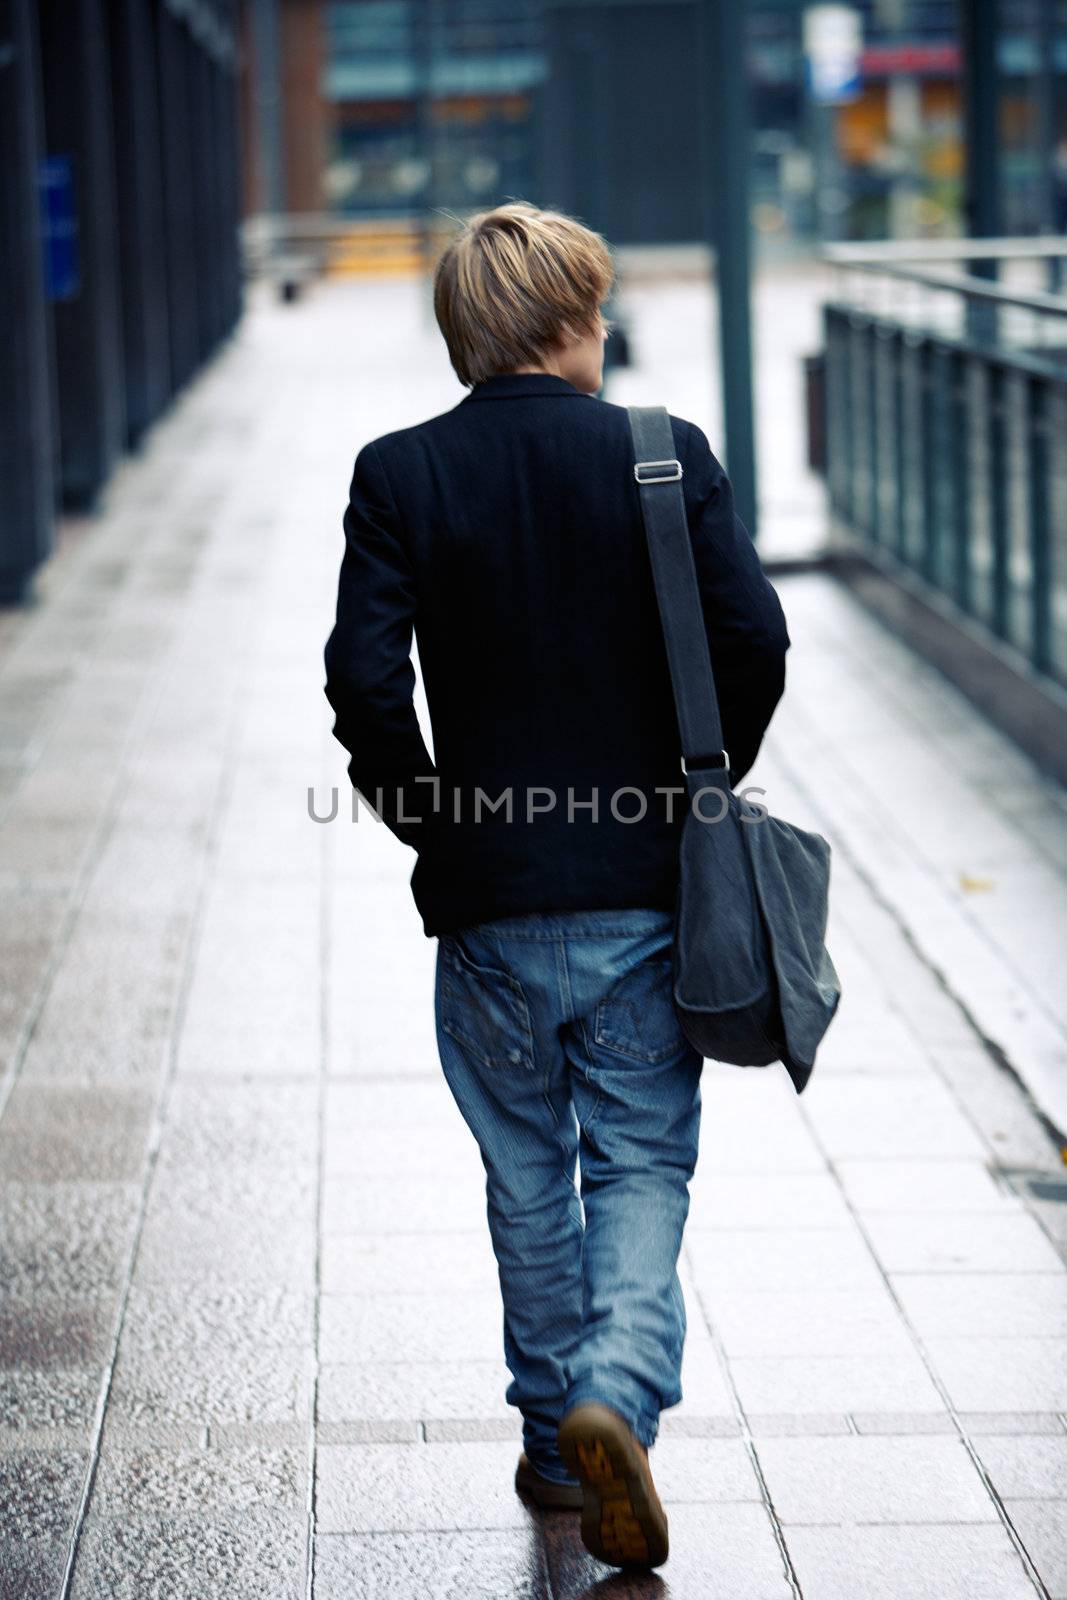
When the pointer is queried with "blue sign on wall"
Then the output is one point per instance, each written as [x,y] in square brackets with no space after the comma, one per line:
[59,228]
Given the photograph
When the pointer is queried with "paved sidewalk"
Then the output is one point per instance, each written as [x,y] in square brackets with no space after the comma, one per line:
[249,1329]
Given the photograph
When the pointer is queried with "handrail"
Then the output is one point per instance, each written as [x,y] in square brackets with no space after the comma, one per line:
[1044,247]
[975,288]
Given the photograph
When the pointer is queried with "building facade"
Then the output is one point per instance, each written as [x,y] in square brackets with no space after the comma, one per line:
[458,103]
[119,263]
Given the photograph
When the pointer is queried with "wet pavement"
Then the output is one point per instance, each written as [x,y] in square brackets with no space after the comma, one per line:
[250,1338]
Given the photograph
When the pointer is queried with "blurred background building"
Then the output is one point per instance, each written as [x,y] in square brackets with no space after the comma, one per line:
[119,252]
[390,105]
[155,150]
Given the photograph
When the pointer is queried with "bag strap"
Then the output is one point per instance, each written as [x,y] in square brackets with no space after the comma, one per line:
[659,478]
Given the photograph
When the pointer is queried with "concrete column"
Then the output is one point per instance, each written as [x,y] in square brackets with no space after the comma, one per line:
[139,188]
[26,453]
[90,380]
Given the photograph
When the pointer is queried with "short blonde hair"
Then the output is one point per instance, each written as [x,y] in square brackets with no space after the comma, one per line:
[505,286]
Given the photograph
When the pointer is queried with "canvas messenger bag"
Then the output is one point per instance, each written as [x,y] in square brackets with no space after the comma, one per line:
[753,980]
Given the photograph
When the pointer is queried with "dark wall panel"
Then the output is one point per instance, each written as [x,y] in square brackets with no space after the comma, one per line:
[86,319]
[622,119]
[174,49]
[230,182]
[204,159]
[119,247]
[139,189]
[26,477]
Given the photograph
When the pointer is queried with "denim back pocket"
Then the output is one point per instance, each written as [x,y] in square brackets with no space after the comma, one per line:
[484,1009]
[637,1017]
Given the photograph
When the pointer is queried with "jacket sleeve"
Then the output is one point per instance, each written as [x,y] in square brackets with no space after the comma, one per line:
[370,678]
[747,635]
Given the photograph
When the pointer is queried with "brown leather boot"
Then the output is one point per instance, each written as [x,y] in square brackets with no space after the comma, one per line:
[543,1492]
[623,1522]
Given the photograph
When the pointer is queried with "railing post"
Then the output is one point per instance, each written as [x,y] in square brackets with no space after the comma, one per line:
[724,38]
[1040,551]
[960,445]
[859,431]
[876,409]
[998,501]
[913,454]
[898,349]
[928,415]
[838,432]
[944,442]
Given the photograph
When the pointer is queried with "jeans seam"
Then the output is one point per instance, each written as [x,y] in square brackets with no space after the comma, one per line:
[591,1081]
[586,1052]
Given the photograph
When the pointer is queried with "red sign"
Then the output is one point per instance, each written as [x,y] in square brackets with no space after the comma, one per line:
[917,60]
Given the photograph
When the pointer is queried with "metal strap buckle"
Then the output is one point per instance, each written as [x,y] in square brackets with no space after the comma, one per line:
[660,477]
[721,758]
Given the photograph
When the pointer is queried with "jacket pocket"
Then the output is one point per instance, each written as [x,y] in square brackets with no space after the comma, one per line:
[484,1009]
[637,1017]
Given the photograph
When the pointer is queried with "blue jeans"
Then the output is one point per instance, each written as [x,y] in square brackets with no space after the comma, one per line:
[559,1040]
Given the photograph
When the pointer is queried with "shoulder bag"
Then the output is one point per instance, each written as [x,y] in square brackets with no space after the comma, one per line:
[753,980]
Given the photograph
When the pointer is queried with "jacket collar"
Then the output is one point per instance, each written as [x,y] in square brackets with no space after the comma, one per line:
[509,385]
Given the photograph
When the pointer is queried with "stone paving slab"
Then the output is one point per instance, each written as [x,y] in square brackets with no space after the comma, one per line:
[480,1564]
[235,1193]
[928,1562]
[236,1559]
[1042,1526]
[817,1383]
[951,1242]
[63,1133]
[386,1391]
[864,1479]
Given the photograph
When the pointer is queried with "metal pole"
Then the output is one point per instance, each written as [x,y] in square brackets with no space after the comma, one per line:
[1045,98]
[982,172]
[726,105]
[422,44]
[268,103]
[981,101]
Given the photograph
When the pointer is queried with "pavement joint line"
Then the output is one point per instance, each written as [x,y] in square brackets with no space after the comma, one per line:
[92,856]
[325,899]
[905,933]
[217,1433]
[993,1052]
[884,689]
[223,788]
[384,1077]
[34,615]
[789,1571]
[1029,1566]
[70,561]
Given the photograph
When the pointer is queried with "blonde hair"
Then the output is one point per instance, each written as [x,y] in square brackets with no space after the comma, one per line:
[504,287]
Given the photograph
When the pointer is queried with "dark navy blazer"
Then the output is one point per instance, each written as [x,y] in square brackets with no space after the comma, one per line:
[507,532]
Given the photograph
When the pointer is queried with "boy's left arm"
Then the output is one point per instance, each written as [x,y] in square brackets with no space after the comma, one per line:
[370,678]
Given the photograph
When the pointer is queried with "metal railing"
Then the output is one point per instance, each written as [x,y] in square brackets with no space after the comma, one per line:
[946,429]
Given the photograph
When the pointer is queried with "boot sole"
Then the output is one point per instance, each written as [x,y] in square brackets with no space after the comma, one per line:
[623,1523]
